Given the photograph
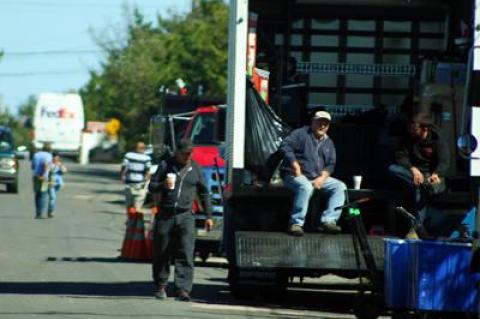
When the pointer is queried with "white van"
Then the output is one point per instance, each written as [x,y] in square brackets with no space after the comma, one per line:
[59,119]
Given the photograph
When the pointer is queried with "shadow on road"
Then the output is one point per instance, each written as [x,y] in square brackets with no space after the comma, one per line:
[95,172]
[111,191]
[77,288]
[86,259]
[203,293]
[217,293]
[198,264]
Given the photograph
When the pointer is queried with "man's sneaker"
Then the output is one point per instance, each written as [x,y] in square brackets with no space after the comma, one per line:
[182,295]
[329,228]
[50,215]
[161,292]
[295,230]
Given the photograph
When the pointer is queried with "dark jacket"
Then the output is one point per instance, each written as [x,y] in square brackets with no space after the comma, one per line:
[430,155]
[189,182]
[313,156]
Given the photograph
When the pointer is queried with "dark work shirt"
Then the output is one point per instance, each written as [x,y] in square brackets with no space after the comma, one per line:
[189,182]
[429,156]
[313,155]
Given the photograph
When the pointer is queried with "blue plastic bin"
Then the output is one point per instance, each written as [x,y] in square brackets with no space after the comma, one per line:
[440,279]
[396,267]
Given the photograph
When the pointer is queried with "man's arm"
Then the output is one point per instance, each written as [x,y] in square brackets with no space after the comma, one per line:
[204,196]
[402,156]
[148,165]
[123,169]
[288,148]
[158,179]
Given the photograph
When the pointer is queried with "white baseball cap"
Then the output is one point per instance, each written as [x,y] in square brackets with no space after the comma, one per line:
[322,115]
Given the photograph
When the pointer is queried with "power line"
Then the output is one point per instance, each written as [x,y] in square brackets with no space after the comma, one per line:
[41,73]
[51,52]
[62,4]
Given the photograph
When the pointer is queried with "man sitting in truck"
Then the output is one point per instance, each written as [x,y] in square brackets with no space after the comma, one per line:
[422,161]
[309,159]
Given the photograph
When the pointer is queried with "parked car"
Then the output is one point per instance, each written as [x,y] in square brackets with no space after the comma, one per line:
[8,161]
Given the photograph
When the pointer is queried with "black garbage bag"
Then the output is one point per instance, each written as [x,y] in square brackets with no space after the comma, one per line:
[264,132]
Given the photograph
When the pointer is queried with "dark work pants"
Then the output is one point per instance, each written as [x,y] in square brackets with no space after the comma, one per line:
[174,238]
[417,195]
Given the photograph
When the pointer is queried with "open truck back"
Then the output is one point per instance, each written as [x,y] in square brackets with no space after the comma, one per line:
[366,62]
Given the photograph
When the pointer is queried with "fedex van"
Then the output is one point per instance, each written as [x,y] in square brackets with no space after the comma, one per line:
[59,120]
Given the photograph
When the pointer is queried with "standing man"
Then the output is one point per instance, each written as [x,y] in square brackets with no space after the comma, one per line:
[41,164]
[421,162]
[178,180]
[309,160]
[135,172]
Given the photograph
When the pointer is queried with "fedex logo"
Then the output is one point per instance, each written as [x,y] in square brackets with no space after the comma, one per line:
[62,113]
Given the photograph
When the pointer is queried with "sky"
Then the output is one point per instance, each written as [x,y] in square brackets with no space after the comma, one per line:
[48,44]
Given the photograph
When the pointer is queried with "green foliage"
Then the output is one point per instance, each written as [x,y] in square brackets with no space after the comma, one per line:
[26,109]
[191,46]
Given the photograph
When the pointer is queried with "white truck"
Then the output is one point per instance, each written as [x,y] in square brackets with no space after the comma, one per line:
[353,54]
[59,120]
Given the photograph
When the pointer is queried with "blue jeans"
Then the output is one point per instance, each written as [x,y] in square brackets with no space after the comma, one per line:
[40,202]
[52,198]
[41,195]
[303,190]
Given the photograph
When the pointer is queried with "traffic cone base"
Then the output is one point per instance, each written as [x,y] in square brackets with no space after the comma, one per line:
[134,246]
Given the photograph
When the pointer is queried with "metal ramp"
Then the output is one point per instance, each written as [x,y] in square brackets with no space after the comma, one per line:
[312,251]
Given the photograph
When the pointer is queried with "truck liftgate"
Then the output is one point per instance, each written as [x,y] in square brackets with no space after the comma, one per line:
[312,252]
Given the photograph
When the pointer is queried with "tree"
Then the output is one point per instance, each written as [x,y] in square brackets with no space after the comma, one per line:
[191,46]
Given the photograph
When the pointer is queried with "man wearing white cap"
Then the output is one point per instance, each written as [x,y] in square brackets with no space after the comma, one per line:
[309,160]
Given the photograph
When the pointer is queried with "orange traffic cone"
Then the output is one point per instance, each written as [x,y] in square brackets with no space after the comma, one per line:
[133,247]
[149,234]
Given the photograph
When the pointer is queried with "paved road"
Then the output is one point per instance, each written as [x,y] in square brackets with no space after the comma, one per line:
[67,267]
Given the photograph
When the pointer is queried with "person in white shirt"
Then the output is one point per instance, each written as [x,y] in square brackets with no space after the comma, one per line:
[135,173]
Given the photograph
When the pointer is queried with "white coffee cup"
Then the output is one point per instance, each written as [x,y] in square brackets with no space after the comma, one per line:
[172,177]
[357,181]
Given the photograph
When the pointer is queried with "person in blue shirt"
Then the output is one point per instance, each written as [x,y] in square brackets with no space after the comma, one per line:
[55,183]
[309,159]
[41,163]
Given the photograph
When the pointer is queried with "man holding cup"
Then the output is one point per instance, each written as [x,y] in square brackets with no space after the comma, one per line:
[309,160]
[177,180]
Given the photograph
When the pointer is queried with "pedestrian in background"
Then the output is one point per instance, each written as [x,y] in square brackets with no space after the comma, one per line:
[178,180]
[57,170]
[135,173]
[41,164]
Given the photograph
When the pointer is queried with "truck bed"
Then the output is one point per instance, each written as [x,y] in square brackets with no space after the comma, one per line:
[274,250]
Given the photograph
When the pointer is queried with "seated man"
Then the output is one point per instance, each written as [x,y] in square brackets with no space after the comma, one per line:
[421,162]
[309,159]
